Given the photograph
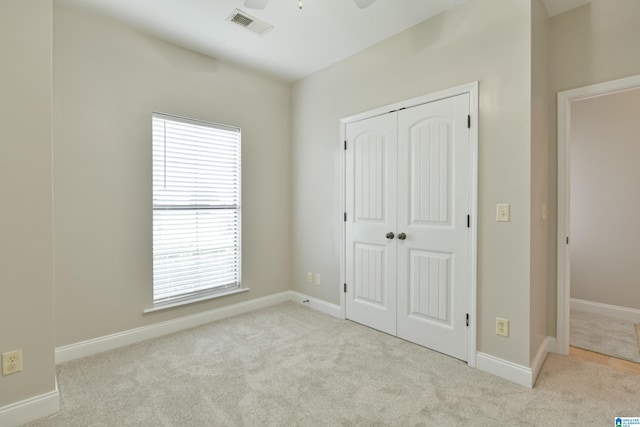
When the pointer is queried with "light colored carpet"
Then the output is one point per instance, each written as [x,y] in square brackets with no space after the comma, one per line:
[605,335]
[290,366]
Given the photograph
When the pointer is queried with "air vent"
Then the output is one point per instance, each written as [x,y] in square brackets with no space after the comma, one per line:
[240,19]
[249,22]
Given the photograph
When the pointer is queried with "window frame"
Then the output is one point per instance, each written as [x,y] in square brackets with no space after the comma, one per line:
[236,210]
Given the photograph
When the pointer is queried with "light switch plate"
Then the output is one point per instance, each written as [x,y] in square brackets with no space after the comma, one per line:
[502,212]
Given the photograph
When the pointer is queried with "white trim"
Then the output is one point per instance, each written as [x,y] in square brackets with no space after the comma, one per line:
[565,99]
[473,210]
[552,345]
[419,100]
[541,355]
[562,233]
[472,90]
[31,409]
[616,311]
[343,208]
[504,369]
[225,293]
[121,339]
[317,304]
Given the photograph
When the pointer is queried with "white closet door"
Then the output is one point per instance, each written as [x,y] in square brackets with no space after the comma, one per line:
[371,182]
[433,204]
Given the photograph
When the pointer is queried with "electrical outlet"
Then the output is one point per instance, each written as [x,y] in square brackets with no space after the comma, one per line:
[502,327]
[11,362]
[309,277]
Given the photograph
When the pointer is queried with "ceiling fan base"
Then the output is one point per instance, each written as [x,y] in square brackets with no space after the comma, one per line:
[255,4]
[363,4]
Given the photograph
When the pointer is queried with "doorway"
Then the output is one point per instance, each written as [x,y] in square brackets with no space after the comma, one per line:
[410,234]
[596,259]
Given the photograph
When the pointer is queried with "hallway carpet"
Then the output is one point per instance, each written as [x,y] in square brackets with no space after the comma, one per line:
[605,335]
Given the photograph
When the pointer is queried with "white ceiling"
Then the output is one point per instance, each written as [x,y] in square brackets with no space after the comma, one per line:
[302,41]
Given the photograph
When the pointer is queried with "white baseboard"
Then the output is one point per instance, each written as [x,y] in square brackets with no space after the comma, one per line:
[541,355]
[606,310]
[512,371]
[132,336]
[504,369]
[317,304]
[30,409]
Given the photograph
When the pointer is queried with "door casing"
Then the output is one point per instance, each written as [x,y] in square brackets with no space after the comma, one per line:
[472,90]
[565,99]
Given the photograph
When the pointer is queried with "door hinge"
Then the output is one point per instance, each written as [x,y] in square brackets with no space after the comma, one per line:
[468,221]
[567,240]
[467,319]
[345,144]
[469,121]
[345,288]
[345,217]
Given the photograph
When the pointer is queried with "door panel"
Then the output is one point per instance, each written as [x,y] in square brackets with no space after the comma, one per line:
[369,274]
[371,213]
[430,286]
[430,171]
[433,204]
[370,155]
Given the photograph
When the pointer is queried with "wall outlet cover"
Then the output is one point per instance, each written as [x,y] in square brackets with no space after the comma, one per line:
[502,327]
[11,362]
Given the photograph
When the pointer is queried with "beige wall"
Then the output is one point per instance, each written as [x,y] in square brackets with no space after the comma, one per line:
[539,173]
[591,44]
[107,81]
[484,40]
[596,43]
[26,249]
[605,154]
[102,167]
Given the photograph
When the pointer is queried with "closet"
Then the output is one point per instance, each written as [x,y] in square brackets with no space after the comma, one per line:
[408,195]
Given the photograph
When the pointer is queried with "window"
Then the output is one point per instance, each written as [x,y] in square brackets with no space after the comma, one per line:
[196,209]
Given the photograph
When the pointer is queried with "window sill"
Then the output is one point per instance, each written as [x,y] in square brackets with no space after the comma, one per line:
[165,306]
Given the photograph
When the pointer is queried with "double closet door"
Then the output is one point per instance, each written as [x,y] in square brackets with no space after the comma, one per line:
[407,229]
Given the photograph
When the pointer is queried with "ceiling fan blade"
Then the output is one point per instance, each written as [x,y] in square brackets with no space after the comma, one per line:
[364,3]
[256,4]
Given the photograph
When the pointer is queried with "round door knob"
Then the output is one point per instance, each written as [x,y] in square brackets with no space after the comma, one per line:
[390,235]
[402,236]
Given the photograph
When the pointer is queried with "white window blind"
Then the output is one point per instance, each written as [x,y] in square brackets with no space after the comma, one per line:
[196,208]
